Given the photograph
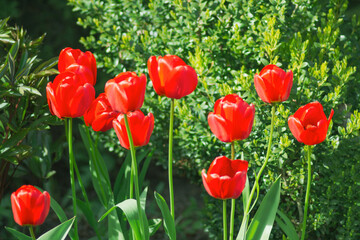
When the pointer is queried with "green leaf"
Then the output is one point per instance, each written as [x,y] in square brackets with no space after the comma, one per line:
[129,207]
[17,234]
[245,196]
[58,232]
[154,225]
[169,224]
[261,225]
[26,89]
[286,225]
[89,215]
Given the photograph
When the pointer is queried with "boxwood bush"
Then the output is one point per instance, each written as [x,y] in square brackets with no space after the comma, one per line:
[227,42]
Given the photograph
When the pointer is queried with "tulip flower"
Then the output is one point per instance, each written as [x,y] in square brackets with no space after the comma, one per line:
[100,114]
[225,178]
[232,118]
[126,92]
[273,84]
[69,57]
[30,206]
[171,76]
[141,127]
[309,124]
[70,95]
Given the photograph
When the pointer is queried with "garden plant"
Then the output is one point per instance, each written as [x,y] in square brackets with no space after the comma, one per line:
[255,101]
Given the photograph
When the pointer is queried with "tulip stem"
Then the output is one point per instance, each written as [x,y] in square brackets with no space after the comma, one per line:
[32,232]
[170,168]
[224,220]
[68,127]
[257,178]
[232,214]
[307,193]
[134,172]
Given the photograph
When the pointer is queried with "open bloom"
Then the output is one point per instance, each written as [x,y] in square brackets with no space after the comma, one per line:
[309,124]
[232,118]
[126,92]
[30,206]
[171,76]
[273,84]
[70,58]
[70,95]
[100,114]
[141,127]
[225,178]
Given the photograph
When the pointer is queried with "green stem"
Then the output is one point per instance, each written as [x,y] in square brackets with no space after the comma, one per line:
[257,178]
[32,232]
[224,220]
[232,214]
[307,194]
[72,175]
[134,172]
[170,168]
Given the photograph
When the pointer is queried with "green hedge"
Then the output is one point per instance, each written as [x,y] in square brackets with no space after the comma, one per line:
[227,42]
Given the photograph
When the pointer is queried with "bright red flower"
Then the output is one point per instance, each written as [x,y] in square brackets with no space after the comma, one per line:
[70,58]
[309,124]
[232,118]
[171,76]
[273,84]
[30,206]
[70,95]
[225,178]
[141,127]
[100,114]
[126,92]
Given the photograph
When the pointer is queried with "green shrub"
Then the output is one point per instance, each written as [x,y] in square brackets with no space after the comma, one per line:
[227,42]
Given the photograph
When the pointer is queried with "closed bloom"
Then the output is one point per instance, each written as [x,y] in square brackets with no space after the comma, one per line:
[232,118]
[30,206]
[225,178]
[100,114]
[141,127]
[171,76]
[70,95]
[70,58]
[309,124]
[126,92]
[273,84]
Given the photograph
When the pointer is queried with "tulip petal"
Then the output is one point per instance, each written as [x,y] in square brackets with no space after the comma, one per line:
[261,88]
[182,81]
[219,127]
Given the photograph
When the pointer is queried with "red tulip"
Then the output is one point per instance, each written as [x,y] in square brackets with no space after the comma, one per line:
[171,76]
[69,57]
[309,124]
[100,114]
[141,127]
[126,92]
[30,206]
[70,95]
[225,178]
[273,84]
[232,118]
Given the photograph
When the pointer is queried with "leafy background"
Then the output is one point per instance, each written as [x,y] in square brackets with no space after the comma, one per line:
[227,42]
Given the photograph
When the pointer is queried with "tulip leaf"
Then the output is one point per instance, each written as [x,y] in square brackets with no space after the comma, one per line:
[17,234]
[261,225]
[169,224]
[129,207]
[154,225]
[115,231]
[58,232]
[286,225]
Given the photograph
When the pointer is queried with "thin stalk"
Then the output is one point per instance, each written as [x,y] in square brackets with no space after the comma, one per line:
[134,172]
[72,175]
[32,232]
[307,196]
[224,220]
[170,168]
[232,214]
[257,178]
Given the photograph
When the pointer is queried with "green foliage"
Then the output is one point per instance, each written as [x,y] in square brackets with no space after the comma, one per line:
[227,42]
[24,109]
